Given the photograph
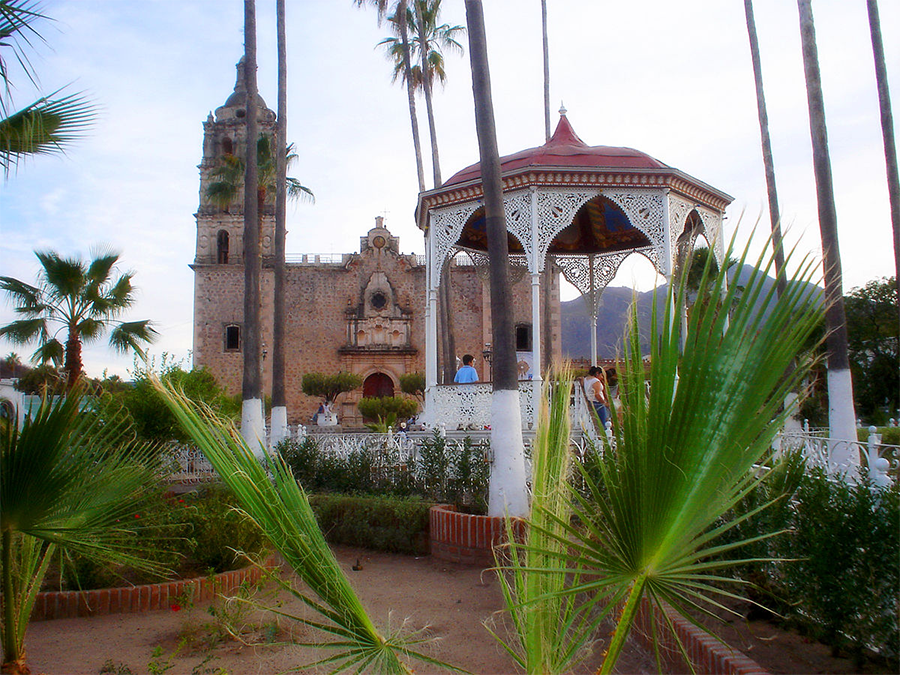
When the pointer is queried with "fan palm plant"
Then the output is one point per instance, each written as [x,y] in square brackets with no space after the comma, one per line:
[683,454]
[71,480]
[51,122]
[272,498]
[78,299]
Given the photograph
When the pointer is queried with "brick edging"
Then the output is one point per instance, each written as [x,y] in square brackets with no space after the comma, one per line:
[708,655]
[129,599]
[466,538]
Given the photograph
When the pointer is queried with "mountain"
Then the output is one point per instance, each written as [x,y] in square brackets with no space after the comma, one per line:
[612,318]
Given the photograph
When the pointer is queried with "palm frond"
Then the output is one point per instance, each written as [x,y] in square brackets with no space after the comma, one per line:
[278,505]
[683,453]
[45,126]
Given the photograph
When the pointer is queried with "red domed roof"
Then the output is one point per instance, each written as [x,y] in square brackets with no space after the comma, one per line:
[565,149]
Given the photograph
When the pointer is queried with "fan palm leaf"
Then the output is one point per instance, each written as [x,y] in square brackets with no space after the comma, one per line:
[272,498]
[71,479]
[684,452]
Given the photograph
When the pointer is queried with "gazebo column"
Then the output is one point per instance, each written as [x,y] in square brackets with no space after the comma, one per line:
[536,257]
[593,297]
[430,332]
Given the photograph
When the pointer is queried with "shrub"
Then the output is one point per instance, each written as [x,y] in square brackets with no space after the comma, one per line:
[329,387]
[380,523]
[385,406]
[413,384]
[455,474]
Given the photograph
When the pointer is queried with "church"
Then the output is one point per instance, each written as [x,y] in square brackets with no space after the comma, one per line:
[361,312]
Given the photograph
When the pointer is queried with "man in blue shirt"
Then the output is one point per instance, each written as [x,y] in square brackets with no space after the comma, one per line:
[467,373]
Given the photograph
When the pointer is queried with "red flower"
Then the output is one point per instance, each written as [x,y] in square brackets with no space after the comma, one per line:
[176,607]
[137,515]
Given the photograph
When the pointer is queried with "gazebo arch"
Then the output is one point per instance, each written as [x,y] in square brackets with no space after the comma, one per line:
[586,208]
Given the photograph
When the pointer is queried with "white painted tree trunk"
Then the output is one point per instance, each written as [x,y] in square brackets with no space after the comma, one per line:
[279,430]
[253,426]
[843,453]
[792,404]
[508,492]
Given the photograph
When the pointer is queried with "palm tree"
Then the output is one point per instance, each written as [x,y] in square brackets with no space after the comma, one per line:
[72,480]
[399,10]
[47,125]
[887,130]
[546,50]
[432,40]
[649,522]
[227,183]
[508,493]
[768,162]
[80,300]
[841,416]
[278,426]
[252,413]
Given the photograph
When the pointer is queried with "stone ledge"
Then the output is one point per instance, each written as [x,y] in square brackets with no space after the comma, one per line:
[130,599]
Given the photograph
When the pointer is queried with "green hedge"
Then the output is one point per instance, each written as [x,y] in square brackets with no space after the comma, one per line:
[380,523]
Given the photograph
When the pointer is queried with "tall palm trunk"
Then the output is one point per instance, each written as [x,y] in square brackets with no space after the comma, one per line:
[546,276]
[507,484]
[410,92]
[252,422]
[887,131]
[768,162]
[841,415]
[278,426]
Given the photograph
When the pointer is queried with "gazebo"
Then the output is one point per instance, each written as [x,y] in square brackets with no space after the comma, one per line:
[583,208]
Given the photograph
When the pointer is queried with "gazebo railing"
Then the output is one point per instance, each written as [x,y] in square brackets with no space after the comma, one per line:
[468,406]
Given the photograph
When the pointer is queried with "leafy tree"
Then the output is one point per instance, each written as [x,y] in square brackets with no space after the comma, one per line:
[329,387]
[873,335]
[79,300]
[71,482]
[386,406]
[151,416]
[48,124]
[45,379]
[413,384]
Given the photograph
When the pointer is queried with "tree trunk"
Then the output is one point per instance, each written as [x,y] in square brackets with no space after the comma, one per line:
[410,92]
[73,358]
[841,416]
[768,162]
[508,493]
[278,425]
[546,44]
[887,131]
[252,423]
[445,316]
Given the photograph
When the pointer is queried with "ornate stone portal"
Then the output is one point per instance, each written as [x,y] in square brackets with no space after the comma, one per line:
[583,208]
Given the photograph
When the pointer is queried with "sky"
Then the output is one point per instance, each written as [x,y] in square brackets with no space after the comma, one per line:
[672,79]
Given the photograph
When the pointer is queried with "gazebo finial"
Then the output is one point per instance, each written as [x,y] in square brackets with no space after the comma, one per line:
[562,109]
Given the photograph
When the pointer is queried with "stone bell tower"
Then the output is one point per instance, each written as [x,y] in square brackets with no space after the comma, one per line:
[218,260]
[220,229]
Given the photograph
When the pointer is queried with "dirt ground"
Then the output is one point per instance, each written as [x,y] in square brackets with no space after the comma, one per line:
[452,601]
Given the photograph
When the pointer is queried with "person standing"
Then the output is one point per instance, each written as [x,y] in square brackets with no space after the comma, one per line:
[467,372]
[595,393]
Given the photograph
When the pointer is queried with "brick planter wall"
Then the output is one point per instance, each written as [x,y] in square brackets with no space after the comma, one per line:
[71,604]
[707,654]
[466,538]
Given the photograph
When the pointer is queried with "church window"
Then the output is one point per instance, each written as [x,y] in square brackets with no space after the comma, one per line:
[523,337]
[232,338]
[227,146]
[222,247]
[378,300]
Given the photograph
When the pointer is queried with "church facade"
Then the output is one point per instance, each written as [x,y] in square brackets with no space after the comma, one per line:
[361,312]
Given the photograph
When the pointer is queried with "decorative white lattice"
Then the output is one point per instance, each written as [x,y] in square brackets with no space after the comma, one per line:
[644,209]
[447,225]
[517,210]
[712,228]
[469,405]
[518,266]
[557,207]
[679,208]
[590,279]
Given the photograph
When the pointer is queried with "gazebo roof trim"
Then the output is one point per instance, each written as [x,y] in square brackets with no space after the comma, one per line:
[565,149]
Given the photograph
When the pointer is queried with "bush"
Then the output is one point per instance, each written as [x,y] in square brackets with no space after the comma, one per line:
[454,474]
[382,408]
[380,523]
[833,571]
